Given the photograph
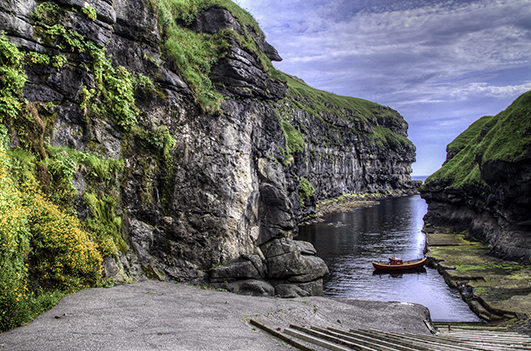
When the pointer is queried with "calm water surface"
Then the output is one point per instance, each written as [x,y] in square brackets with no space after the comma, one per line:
[350,242]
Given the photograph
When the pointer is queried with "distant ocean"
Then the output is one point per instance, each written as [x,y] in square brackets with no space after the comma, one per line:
[422,178]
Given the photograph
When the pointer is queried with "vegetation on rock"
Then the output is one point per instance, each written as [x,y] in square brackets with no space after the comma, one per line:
[44,253]
[195,53]
[504,137]
[315,102]
[306,190]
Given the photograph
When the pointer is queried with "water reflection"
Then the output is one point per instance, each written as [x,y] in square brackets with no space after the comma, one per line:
[349,243]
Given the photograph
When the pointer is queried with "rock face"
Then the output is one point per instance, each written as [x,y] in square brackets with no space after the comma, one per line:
[199,197]
[489,196]
[346,150]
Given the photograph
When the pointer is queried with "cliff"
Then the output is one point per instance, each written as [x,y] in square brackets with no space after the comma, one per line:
[163,128]
[347,145]
[483,187]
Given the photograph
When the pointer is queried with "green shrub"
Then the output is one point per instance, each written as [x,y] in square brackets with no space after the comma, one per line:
[90,12]
[12,80]
[113,94]
[294,139]
[194,54]
[103,223]
[63,258]
[306,190]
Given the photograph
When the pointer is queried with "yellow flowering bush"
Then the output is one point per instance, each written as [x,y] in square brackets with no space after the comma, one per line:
[14,246]
[61,258]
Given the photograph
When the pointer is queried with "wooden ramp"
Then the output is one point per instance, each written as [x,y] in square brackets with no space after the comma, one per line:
[452,339]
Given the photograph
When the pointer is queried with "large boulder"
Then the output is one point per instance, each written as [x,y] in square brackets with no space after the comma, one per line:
[290,269]
[293,269]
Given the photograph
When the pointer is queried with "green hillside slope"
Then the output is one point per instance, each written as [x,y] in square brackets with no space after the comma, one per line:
[504,137]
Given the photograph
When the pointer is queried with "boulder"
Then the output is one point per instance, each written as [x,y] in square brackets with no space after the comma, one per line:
[214,20]
[251,287]
[286,261]
[287,290]
[246,267]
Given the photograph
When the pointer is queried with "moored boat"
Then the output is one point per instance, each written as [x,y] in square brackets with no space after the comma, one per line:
[396,263]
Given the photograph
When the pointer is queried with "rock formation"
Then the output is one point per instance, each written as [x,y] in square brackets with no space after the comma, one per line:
[186,184]
[483,188]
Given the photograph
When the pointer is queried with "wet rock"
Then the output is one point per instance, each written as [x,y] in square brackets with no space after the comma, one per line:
[497,214]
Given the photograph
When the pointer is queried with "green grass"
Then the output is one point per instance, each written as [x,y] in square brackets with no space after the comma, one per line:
[323,100]
[469,136]
[306,190]
[504,137]
[294,139]
[194,54]
[313,101]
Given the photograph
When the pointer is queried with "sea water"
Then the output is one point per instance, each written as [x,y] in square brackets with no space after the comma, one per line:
[350,241]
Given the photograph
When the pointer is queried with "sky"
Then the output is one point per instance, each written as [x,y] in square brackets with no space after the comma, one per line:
[440,64]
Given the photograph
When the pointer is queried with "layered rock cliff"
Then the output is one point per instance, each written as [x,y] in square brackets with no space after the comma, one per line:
[185,154]
[483,188]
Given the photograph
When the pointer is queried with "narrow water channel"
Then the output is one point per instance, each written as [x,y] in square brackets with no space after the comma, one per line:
[350,242]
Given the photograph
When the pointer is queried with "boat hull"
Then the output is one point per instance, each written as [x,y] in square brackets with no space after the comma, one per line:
[399,267]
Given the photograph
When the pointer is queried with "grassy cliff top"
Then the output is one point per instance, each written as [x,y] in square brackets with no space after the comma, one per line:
[504,137]
[324,100]
[359,111]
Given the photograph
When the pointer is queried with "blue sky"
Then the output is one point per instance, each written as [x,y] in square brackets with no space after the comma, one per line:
[441,64]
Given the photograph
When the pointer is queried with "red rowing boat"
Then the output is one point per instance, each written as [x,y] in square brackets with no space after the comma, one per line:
[396,263]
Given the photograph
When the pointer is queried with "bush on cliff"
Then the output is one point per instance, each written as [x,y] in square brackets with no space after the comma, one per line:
[44,253]
[194,54]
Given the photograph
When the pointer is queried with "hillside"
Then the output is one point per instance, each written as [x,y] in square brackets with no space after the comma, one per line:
[155,139]
[483,187]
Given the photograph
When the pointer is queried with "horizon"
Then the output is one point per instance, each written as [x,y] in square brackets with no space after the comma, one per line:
[441,64]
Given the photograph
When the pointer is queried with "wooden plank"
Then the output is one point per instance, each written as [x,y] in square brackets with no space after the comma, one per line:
[400,341]
[317,341]
[458,344]
[458,327]
[338,340]
[430,341]
[281,336]
[368,339]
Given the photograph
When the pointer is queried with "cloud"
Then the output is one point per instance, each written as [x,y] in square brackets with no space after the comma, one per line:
[431,60]
[436,37]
